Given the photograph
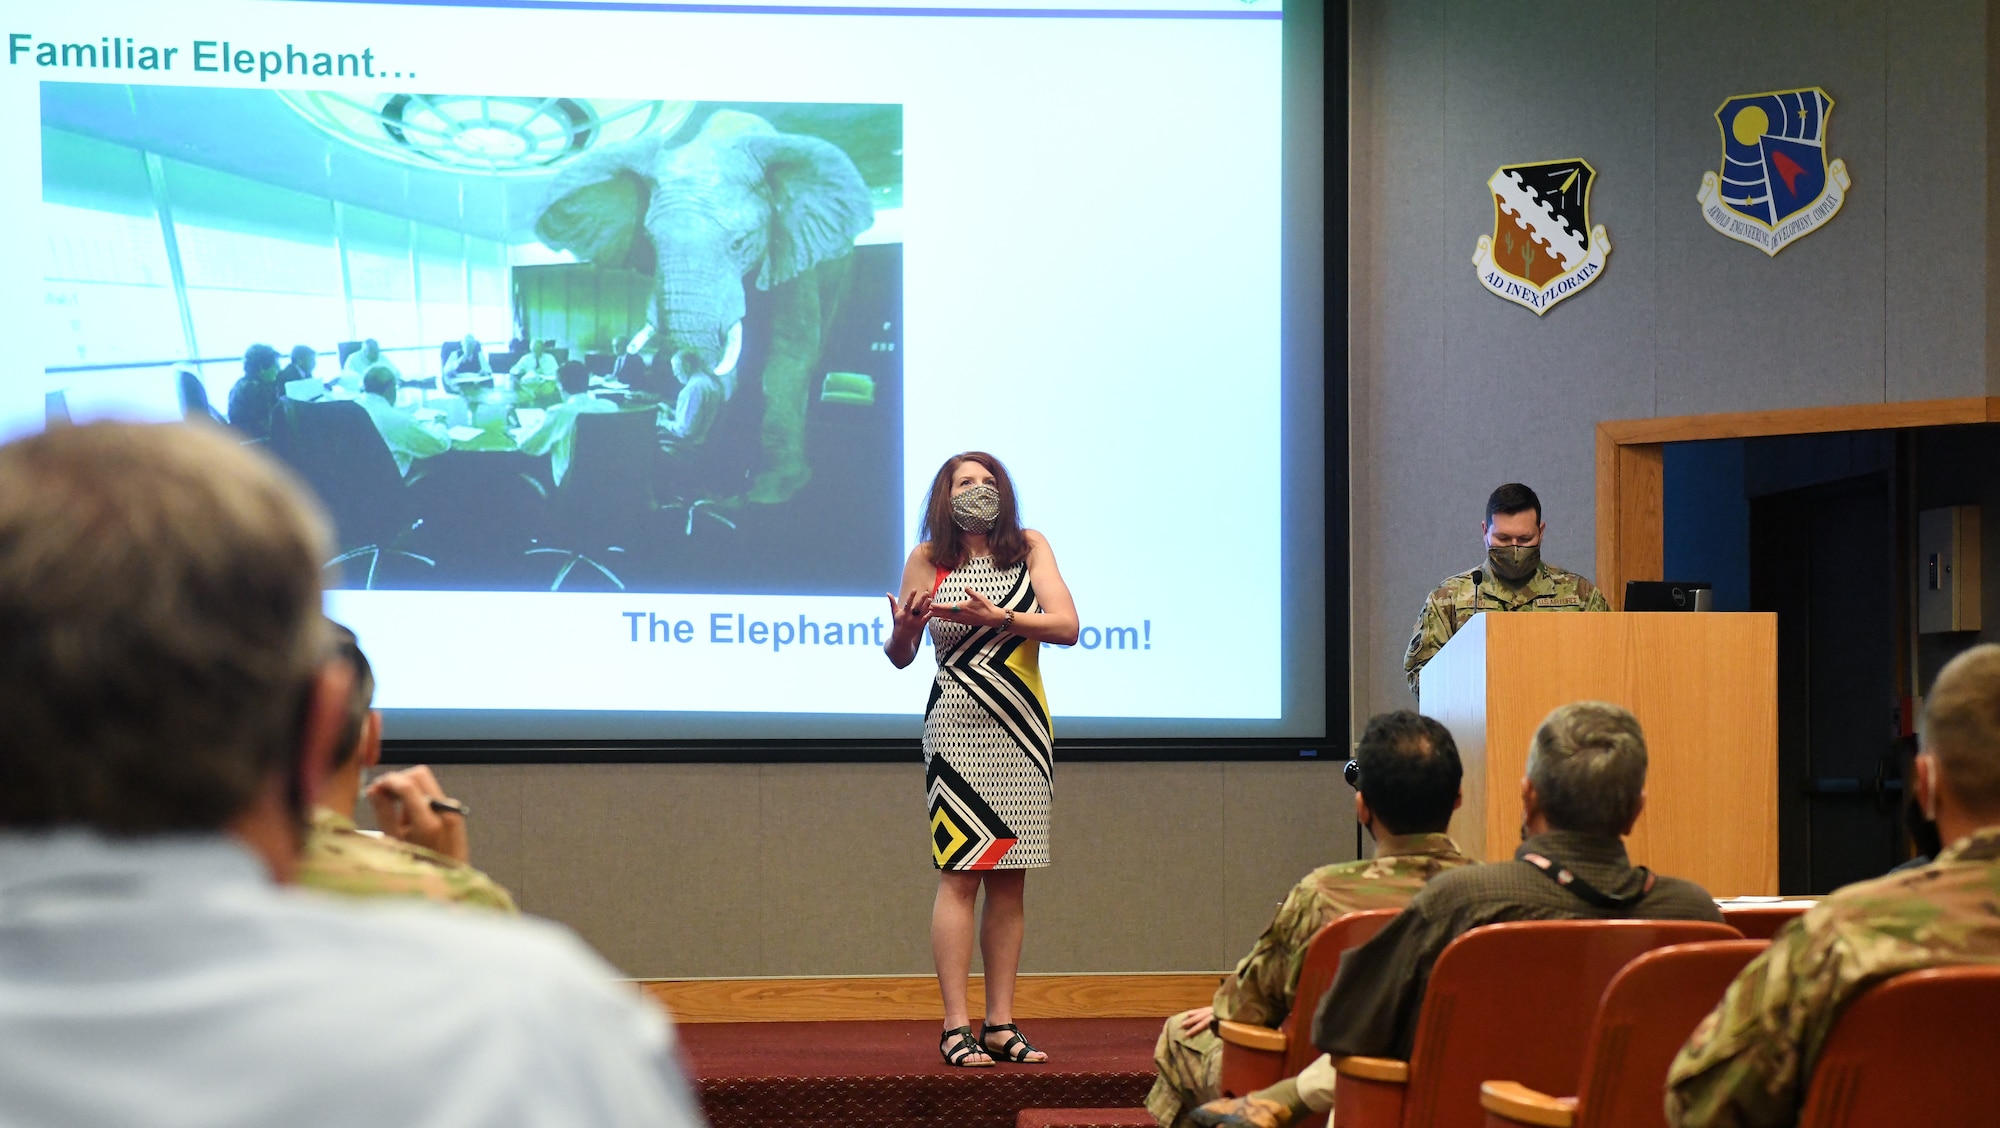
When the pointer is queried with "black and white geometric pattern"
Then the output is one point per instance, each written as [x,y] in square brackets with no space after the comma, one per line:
[989,723]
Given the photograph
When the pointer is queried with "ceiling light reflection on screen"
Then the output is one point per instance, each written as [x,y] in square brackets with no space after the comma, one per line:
[480,133]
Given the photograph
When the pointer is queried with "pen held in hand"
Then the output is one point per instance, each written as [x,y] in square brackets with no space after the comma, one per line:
[450,807]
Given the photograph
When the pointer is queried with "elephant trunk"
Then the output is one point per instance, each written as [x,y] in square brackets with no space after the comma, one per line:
[701,307]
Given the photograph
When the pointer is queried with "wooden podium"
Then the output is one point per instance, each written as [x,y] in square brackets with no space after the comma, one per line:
[1705,689]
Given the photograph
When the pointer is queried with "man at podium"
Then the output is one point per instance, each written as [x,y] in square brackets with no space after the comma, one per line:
[1514,577]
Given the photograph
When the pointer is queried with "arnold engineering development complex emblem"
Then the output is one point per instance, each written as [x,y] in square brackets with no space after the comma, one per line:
[1543,248]
[1775,183]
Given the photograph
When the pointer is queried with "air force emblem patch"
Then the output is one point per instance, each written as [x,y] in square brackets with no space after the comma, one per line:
[1775,183]
[1543,248]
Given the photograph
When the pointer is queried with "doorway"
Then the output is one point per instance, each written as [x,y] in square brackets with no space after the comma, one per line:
[1822,557]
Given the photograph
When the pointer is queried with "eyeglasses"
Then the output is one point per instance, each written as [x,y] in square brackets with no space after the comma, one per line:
[1352,774]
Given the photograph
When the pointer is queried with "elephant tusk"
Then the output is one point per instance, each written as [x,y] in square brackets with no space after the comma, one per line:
[731,351]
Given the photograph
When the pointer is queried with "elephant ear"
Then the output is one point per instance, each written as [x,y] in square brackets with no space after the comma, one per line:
[818,203]
[601,197]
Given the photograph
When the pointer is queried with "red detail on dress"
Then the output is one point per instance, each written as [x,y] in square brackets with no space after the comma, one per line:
[993,854]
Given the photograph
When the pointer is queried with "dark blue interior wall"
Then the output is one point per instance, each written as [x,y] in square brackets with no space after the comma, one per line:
[1707,519]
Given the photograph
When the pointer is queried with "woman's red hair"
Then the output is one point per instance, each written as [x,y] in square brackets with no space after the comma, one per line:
[946,541]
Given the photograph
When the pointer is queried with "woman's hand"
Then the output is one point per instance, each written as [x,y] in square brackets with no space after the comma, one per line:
[907,616]
[976,611]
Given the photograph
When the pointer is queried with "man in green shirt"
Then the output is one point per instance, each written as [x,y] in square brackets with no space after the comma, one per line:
[1406,786]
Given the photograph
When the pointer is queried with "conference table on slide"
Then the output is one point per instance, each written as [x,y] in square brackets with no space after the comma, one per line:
[495,413]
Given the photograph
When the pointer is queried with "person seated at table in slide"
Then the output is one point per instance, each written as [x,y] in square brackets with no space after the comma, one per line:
[622,362]
[537,361]
[368,356]
[422,851]
[466,359]
[631,370]
[304,360]
[253,398]
[1406,775]
[556,437]
[1584,790]
[408,438]
[702,397]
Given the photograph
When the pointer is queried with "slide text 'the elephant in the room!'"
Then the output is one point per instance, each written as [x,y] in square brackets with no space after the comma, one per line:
[740,203]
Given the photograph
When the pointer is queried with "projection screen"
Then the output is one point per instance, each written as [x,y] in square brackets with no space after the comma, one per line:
[637,332]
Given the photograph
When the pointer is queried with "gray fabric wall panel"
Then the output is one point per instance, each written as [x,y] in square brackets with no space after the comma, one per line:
[1132,855]
[649,863]
[1937,199]
[1740,331]
[733,870]
[1264,856]
[1454,390]
[1396,326]
[842,868]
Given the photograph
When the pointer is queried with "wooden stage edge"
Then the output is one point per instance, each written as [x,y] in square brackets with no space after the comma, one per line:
[910,997]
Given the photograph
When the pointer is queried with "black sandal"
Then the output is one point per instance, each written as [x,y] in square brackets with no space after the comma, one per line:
[1015,1049]
[957,1045]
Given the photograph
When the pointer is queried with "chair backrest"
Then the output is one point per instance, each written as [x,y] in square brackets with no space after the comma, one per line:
[334,446]
[1316,973]
[1515,1001]
[1646,1015]
[1761,922]
[1917,1049]
[608,492]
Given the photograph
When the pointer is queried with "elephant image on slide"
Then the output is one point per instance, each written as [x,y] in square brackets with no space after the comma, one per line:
[738,204]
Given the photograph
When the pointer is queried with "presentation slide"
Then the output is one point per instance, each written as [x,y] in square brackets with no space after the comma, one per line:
[621,341]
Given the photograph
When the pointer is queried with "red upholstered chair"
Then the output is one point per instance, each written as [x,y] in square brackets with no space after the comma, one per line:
[1647,1013]
[1761,922]
[1512,1001]
[1254,1057]
[1918,1049]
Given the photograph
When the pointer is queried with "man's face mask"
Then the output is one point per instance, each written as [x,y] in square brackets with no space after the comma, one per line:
[1514,562]
[976,509]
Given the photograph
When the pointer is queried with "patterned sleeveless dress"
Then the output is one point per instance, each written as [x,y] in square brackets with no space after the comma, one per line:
[989,755]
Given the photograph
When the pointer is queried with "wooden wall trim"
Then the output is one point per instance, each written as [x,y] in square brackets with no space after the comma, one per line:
[1802,421]
[1631,471]
[911,997]
[1631,503]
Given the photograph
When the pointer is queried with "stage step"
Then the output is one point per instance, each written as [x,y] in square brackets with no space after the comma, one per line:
[888,1074]
[1084,1118]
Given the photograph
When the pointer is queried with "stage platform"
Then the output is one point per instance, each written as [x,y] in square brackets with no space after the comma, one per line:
[889,1075]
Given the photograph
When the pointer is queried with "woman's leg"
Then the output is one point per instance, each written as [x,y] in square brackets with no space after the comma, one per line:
[1000,930]
[951,941]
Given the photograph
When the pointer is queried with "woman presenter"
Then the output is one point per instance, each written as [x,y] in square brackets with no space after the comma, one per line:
[991,594]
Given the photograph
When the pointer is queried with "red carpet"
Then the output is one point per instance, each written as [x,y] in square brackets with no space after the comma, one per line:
[888,1074]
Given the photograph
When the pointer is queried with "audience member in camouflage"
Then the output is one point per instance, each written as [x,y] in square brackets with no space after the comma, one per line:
[1750,1061]
[340,858]
[1513,578]
[1585,788]
[1408,775]
[421,852]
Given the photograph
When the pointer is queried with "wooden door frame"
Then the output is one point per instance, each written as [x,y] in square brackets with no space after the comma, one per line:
[1631,477]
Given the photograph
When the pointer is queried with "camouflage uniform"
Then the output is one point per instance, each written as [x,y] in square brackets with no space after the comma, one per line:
[1260,992]
[339,858]
[1751,1060]
[1452,604]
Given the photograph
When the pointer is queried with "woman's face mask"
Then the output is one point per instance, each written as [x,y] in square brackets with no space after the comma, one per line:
[975,509]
